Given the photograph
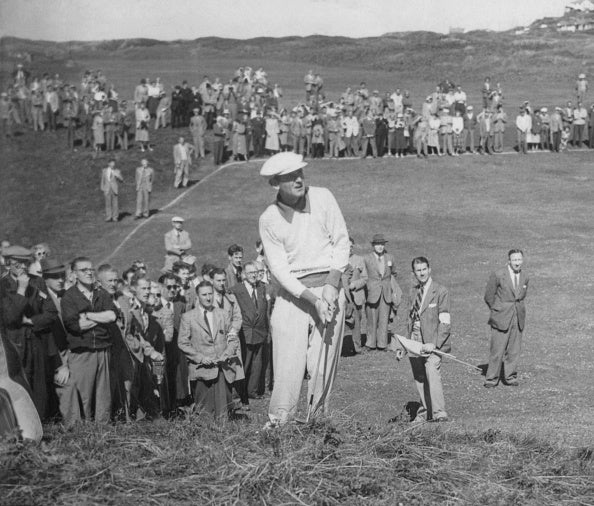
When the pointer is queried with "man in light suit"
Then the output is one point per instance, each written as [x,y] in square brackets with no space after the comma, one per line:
[182,157]
[177,245]
[251,297]
[355,279]
[379,266]
[429,323]
[144,187]
[505,294]
[212,348]
[110,177]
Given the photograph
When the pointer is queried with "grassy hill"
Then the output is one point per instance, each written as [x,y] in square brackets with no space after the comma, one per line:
[422,53]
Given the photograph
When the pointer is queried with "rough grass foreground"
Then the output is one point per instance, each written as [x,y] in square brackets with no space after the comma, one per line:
[340,462]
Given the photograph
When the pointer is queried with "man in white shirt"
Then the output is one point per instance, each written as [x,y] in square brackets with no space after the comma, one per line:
[182,157]
[307,248]
[351,134]
[523,125]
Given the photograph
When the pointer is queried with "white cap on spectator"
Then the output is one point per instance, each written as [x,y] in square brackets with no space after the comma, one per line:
[177,218]
[282,163]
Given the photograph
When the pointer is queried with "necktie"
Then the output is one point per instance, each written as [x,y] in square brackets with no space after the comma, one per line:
[414,312]
[238,274]
[207,324]
[380,265]
[254,297]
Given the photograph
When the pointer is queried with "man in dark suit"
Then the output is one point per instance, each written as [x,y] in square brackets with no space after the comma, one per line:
[234,269]
[379,266]
[177,369]
[251,298]
[429,323]
[505,294]
[28,317]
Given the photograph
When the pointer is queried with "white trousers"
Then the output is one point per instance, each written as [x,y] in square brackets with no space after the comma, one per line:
[297,341]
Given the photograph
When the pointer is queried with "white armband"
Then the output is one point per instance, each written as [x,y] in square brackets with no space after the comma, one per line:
[444,318]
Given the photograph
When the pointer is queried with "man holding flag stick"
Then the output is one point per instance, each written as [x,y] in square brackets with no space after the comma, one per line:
[429,323]
[307,249]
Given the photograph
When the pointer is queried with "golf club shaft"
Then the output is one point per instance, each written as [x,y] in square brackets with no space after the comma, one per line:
[451,357]
[316,372]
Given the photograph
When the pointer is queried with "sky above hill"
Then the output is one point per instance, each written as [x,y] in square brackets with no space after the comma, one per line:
[189,19]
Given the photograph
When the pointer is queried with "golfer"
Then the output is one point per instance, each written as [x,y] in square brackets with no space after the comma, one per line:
[307,249]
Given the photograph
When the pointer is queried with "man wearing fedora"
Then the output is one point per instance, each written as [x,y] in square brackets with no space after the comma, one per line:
[58,380]
[380,267]
[307,249]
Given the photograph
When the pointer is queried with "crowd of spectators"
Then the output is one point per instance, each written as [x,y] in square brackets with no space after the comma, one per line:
[103,344]
[247,116]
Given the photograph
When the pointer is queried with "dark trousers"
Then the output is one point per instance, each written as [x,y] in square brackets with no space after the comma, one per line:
[39,372]
[213,396]
[381,141]
[556,141]
[251,356]
[505,351]
[218,150]
[252,367]
[258,142]
[267,372]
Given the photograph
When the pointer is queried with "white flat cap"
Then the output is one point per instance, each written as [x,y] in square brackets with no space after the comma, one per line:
[177,218]
[282,163]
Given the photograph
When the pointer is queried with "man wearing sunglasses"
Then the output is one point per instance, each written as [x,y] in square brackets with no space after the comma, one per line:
[177,369]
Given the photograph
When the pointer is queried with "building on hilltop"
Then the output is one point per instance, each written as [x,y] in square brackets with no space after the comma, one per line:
[456,30]
[576,24]
[579,6]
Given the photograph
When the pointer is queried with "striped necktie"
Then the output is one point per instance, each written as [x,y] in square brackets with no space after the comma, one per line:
[414,312]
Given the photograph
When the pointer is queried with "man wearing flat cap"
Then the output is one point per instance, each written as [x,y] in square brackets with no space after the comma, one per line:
[177,245]
[307,249]
[28,315]
[380,267]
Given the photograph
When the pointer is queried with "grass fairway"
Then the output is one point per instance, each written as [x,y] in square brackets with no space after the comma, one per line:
[464,214]
[526,445]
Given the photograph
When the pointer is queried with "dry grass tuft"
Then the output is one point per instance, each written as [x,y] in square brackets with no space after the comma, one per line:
[196,462]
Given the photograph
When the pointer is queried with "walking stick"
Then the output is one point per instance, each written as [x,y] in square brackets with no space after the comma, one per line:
[316,373]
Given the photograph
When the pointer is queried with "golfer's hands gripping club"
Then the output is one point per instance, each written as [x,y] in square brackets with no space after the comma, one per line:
[330,295]
[323,310]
